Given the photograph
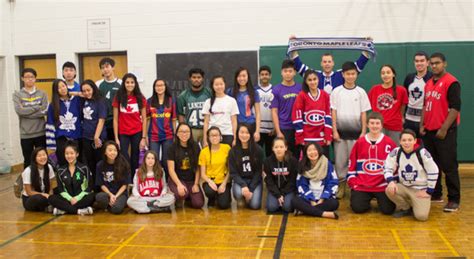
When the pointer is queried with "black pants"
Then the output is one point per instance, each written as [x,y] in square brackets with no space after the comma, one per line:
[91,155]
[226,139]
[132,141]
[444,152]
[110,133]
[60,203]
[223,199]
[36,202]
[266,142]
[27,147]
[360,202]
[317,211]
[413,125]
[290,139]
[61,145]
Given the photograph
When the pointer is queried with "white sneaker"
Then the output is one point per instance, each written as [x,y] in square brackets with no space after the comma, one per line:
[85,211]
[57,212]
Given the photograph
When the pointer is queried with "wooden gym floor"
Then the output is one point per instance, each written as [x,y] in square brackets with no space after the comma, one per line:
[236,233]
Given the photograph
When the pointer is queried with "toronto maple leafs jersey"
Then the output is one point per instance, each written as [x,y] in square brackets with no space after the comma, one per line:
[266,97]
[92,111]
[314,190]
[408,170]
[68,124]
[416,94]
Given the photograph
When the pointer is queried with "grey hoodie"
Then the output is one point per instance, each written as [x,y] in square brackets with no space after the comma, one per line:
[31,109]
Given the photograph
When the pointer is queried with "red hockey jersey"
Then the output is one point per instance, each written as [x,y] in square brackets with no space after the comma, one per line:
[312,118]
[366,164]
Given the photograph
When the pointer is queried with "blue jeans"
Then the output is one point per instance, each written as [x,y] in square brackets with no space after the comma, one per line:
[273,205]
[132,141]
[161,147]
[255,202]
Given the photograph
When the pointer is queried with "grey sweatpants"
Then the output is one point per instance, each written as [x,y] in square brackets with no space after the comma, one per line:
[140,204]
[342,151]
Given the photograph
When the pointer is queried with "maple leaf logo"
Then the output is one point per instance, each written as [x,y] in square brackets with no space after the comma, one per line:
[67,122]
[88,113]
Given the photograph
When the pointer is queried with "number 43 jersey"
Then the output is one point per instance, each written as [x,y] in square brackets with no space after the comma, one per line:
[190,105]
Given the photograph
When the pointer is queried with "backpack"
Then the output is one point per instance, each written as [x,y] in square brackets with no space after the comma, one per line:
[418,156]
[18,186]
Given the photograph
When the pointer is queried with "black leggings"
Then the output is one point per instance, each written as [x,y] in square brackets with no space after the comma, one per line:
[360,202]
[36,202]
[223,199]
[60,203]
[317,211]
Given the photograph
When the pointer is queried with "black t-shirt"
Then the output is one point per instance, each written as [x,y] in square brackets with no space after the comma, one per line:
[182,162]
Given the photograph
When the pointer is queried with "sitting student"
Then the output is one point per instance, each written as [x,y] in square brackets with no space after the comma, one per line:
[112,177]
[411,173]
[280,169]
[214,172]
[150,191]
[365,176]
[183,167]
[245,166]
[74,185]
[37,187]
[317,184]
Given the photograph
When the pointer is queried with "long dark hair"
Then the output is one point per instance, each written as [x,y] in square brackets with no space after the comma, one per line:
[155,102]
[252,147]
[157,170]
[305,86]
[394,82]
[249,85]
[121,95]
[96,95]
[192,146]
[55,101]
[213,92]
[35,177]
[306,162]
[121,165]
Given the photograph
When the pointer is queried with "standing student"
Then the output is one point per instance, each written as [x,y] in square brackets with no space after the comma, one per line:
[264,89]
[280,176]
[317,184]
[311,114]
[365,176]
[248,100]
[38,181]
[328,78]
[161,110]
[349,106]
[245,167]
[130,119]
[64,120]
[191,101]
[411,174]
[108,87]
[94,114]
[69,74]
[390,100]
[440,118]
[150,190]
[220,111]
[112,178]
[74,179]
[284,96]
[183,167]
[415,85]
[214,171]
[31,105]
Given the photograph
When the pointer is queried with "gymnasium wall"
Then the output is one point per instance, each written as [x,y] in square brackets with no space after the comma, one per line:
[145,29]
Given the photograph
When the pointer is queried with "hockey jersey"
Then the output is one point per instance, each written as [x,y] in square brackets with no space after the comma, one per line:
[416,94]
[266,97]
[69,124]
[366,164]
[312,190]
[312,118]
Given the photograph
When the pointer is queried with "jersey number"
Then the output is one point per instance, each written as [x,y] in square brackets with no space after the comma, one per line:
[429,104]
[195,118]
[247,167]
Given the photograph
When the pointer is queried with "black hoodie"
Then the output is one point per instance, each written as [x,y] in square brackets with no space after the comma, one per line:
[280,176]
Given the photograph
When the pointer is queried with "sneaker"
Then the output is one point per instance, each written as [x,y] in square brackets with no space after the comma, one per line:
[451,207]
[49,209]
[298,212]
[437,199]
[85,211]
[160,209]
[57,212]
[402,213]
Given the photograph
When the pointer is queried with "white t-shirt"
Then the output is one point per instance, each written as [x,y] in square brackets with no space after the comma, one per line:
[26,175]
[222,111]
[349,104]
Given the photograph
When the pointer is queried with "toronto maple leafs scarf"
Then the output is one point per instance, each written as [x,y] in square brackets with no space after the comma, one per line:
[335,43]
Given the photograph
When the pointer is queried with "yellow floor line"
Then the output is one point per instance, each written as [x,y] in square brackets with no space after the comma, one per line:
[126,242]
[66,243]
[399,243]
[451,248]
[348,250]
[262,242]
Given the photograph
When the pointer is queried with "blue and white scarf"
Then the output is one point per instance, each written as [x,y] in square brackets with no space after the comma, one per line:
[335,43]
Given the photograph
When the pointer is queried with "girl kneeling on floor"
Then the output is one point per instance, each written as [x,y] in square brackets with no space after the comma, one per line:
[317,184]
[150,191]
[74,185]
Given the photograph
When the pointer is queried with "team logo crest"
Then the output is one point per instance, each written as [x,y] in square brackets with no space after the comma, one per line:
[409,174]
[373,166]
[385,102]
[314,118]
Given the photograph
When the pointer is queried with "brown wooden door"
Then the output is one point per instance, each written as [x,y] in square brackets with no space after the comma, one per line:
[45,67]
[90,65]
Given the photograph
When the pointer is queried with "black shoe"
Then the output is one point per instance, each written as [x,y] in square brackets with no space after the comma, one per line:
[298,212]
[451,207]
[336,216]
[402,213]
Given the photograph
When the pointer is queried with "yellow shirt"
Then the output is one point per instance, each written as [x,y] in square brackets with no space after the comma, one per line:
[216,165]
